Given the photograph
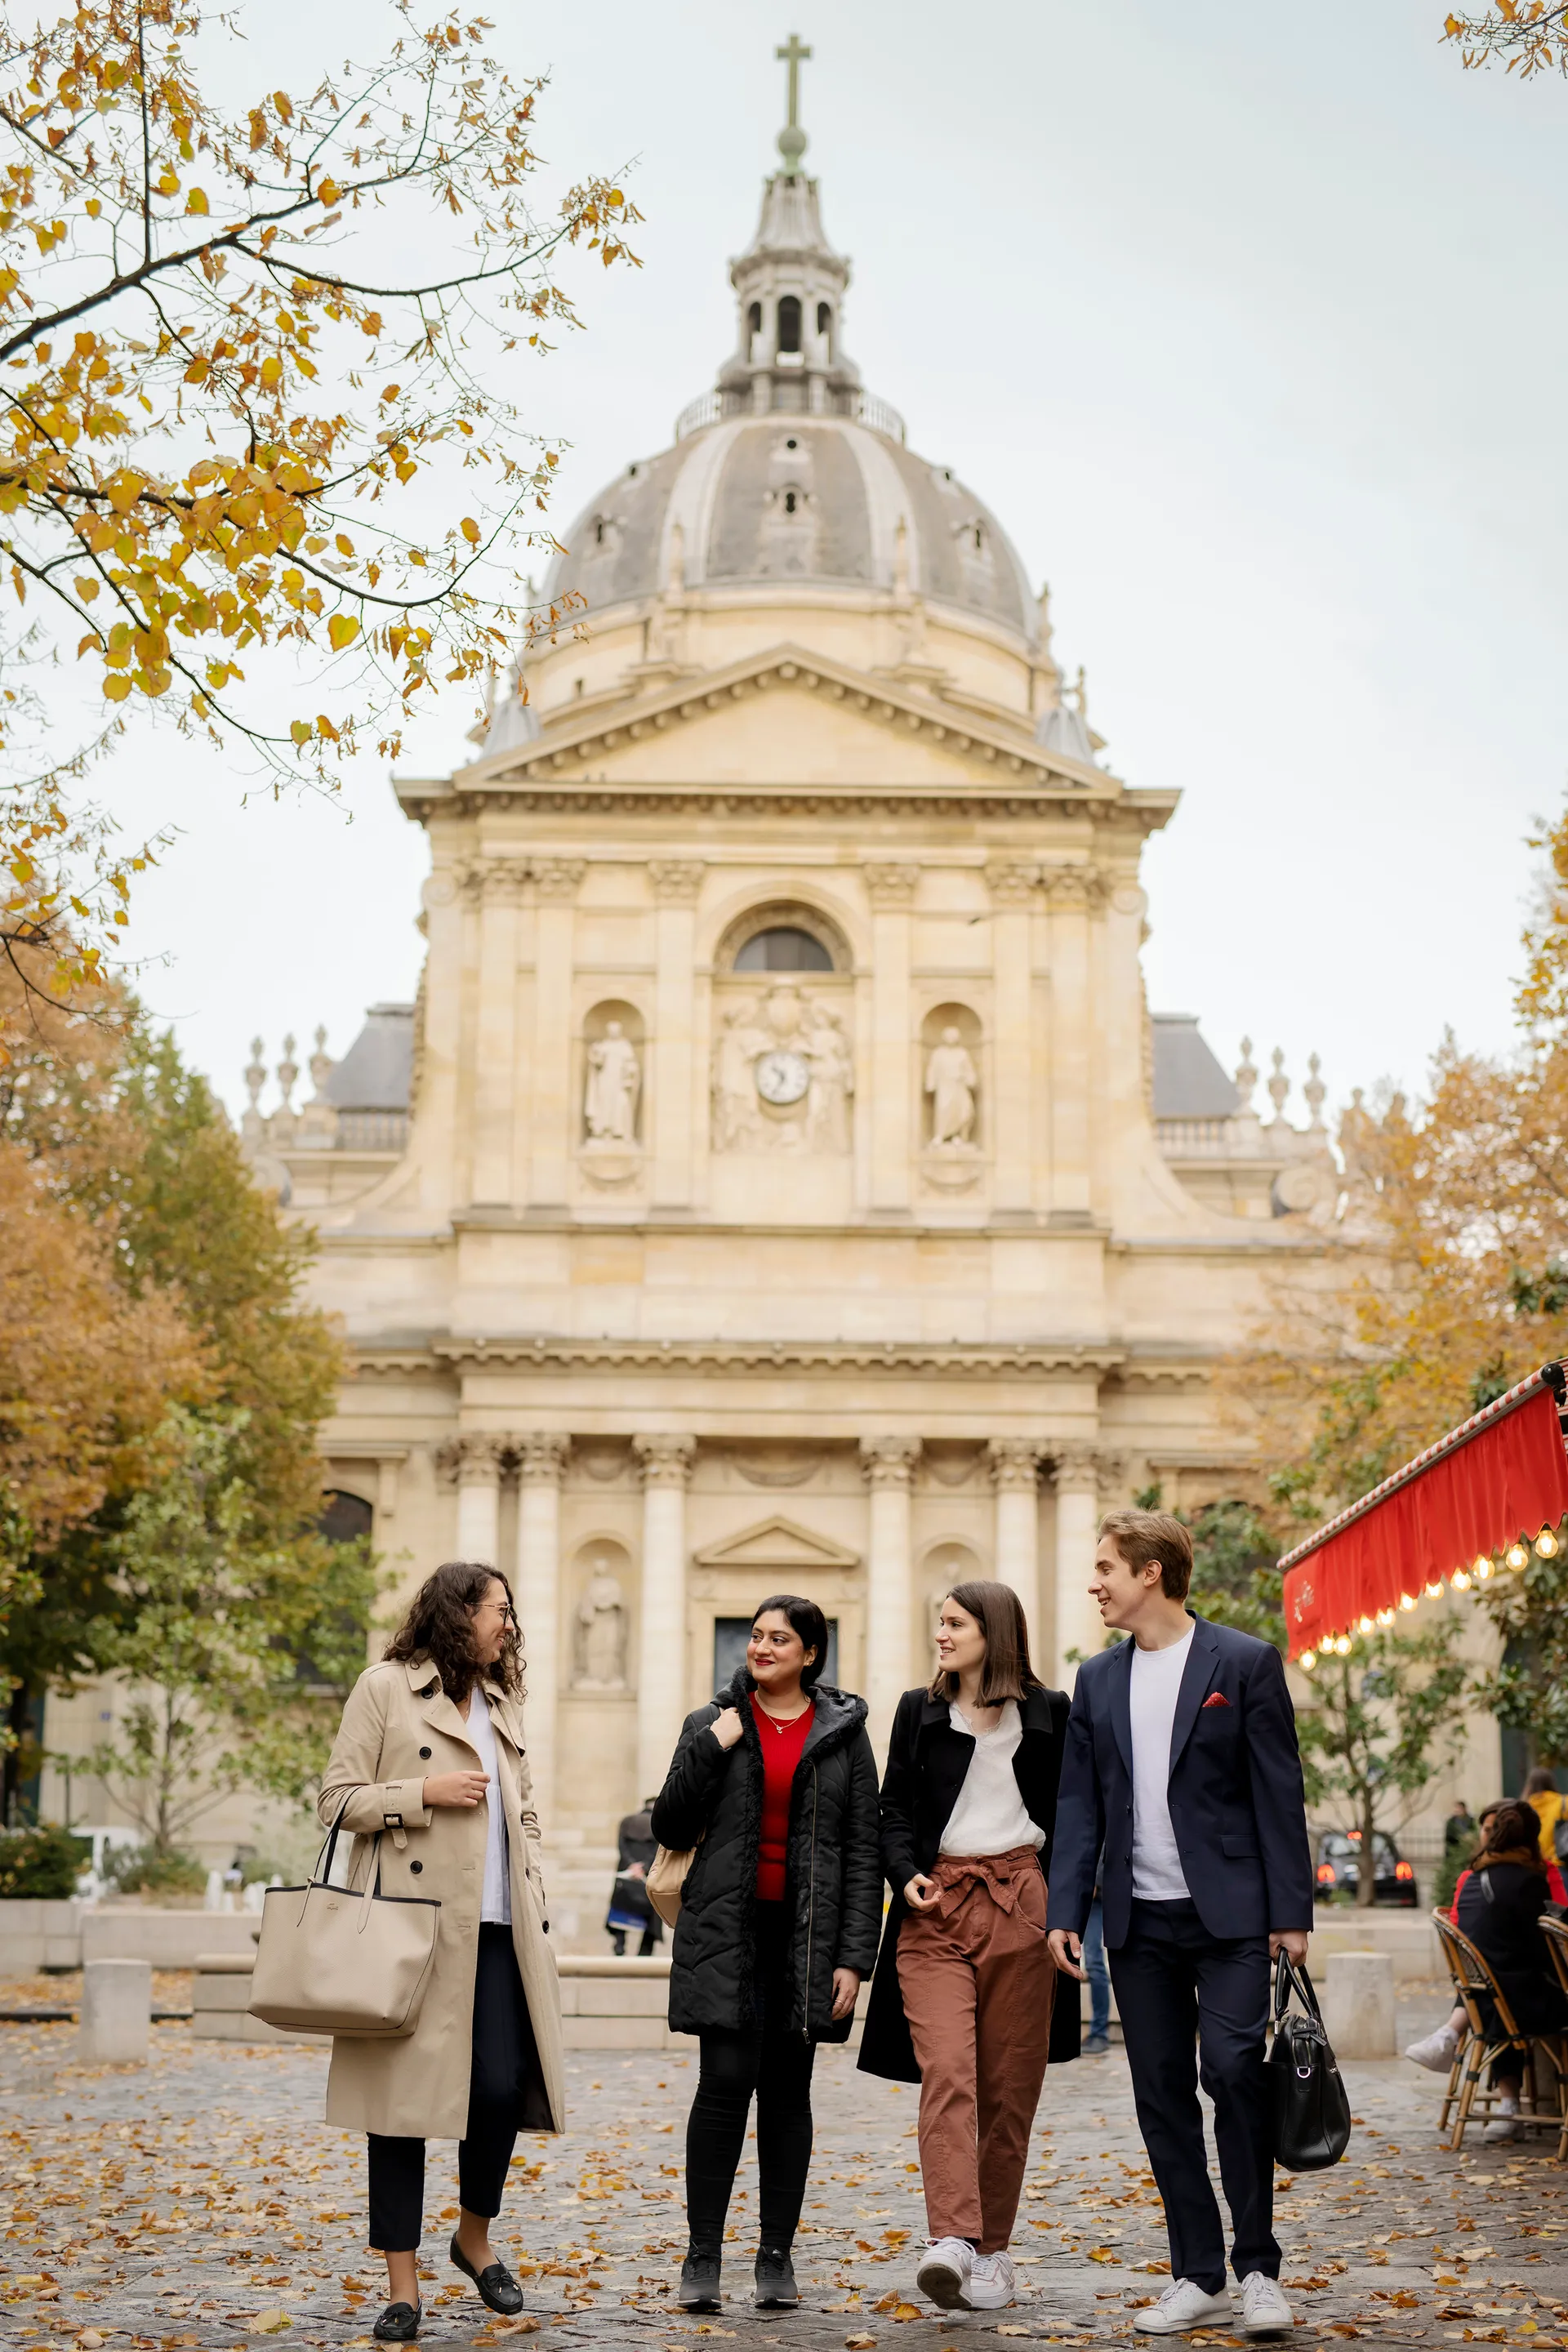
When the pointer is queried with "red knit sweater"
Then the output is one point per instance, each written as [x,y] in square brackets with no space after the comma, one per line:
[782,1746]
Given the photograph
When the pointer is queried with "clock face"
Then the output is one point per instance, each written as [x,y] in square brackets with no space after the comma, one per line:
[782,1078]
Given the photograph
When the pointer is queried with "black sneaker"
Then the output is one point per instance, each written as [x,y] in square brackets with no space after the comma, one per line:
[776,2289]
[698,2289]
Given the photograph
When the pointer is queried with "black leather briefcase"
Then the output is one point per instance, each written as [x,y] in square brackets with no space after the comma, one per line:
[1311,2111]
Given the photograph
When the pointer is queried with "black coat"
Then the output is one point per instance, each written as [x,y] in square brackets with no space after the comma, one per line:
[713,1800]
[1500,1910]
[1237,1804]
[927,1762]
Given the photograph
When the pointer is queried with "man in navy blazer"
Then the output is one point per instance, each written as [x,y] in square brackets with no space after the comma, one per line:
[1182,1764]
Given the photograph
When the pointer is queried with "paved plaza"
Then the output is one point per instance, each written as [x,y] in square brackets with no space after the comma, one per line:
[201,2201]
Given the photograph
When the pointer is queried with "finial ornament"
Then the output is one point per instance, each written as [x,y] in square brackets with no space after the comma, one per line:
[1278,1084]
[792,137]
[287,1071]
[255,1073]
[1314,1091]
[1083,694]
[1246,1080]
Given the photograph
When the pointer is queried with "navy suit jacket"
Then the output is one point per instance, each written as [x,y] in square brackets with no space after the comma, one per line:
[1237,1807]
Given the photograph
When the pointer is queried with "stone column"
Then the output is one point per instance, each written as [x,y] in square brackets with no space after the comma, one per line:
[666,1463]
[556,881]
[1012,887]
[1071,890]
[473,1465]
[892,890]
[1076,1470]
[499,892]
[540,1459]
[887,1465]
[1015,1464]
[676,882]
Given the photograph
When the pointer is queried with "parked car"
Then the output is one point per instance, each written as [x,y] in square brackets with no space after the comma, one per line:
[1338,1865]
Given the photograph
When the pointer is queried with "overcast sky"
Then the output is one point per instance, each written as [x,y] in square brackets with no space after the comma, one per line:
[1247,322]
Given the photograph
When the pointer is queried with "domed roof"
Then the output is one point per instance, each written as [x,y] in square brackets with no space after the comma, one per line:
[779,498]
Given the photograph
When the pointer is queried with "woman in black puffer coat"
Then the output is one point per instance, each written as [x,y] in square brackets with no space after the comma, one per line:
[775,1785]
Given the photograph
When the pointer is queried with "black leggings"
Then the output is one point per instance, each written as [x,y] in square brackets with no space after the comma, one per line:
[505,2060]
[775,2065]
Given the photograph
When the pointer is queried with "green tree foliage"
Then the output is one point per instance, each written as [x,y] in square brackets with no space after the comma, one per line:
[41,1864]
[1383,1723]
[1529,1610]
[220,1641]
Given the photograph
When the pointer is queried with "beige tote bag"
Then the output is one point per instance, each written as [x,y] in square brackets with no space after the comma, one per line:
[333,1961]
[667,1878]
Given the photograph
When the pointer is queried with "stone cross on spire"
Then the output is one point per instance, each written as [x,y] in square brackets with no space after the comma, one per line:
[792,137]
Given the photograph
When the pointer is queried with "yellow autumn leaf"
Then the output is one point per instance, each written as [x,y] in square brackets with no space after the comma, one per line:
[196,202]
[1102,2253]
[300,729]
[271,2322]
[341,630]
[117,686]
[470,531]
[271,371]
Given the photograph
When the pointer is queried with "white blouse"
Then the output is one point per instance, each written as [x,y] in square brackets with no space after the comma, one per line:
[990,1816]
[495,1903]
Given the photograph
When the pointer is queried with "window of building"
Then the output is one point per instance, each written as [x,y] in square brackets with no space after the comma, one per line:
[754,319]
[792,501]
[730,1635]
[789,322]
[824,317]
[785,948]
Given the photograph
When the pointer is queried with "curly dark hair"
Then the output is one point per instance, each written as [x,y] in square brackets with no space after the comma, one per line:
[439,1625]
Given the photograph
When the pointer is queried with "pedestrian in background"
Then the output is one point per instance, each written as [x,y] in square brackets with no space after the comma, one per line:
[962,2000]
[429,1758]
[1182,1764]
[1551,1807]
[773,1787]
[630,1912]
[1099,2043]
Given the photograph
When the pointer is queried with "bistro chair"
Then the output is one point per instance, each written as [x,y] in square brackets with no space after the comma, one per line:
[1556,1936]
[1470,2092]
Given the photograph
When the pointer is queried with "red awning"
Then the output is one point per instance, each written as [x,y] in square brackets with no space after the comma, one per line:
[1496,1480]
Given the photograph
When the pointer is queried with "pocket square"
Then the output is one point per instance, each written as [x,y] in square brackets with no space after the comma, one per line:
[1215,1698]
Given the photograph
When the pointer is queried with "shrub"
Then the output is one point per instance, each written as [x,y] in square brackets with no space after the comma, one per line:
[43,1864]
[142,1870]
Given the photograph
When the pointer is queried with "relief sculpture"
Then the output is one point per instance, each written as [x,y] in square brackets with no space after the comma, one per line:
[784,1072]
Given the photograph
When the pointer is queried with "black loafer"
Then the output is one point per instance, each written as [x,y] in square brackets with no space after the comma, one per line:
[776,2289]
[698,2289]
[499,2290]
[398,2324]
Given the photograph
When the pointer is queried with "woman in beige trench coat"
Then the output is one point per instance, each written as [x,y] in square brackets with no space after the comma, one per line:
[429,1761]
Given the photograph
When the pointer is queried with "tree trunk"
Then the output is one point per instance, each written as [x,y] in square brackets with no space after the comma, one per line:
[1366,1884]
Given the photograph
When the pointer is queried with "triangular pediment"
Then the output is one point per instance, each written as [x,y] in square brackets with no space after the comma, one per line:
[787,716]
[777,1543]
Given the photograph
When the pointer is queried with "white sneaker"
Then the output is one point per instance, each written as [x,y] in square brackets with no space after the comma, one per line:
[1263,2310]
[945,2269]
[991,2281]
[1506,2127]
[1184,2304]
[1436,2052]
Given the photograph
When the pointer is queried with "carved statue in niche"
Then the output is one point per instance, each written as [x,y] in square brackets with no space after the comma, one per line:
[601,1644]
[827,1050]
[610,1095]
[951,1081]
[737,1120]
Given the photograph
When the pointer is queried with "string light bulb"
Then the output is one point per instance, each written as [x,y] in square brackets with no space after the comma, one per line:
[1546,1544]
[1460,1579]
[1481,1565]
[1386,1616]
[1308,1659]
[1407,1600]
[1435,1590]
[1484,1569]
[1516,1556]
[1342,1646]
[1365,1625]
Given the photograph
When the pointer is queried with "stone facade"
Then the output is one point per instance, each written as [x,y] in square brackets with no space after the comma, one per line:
[781,1182]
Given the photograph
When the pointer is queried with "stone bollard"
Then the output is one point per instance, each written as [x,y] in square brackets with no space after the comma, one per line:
[116,2013]
[1358,2004]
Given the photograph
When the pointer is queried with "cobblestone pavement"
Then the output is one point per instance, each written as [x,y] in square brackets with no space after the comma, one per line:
[200,2200]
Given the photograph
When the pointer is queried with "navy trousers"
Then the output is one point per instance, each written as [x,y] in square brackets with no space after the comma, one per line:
[1194,2007]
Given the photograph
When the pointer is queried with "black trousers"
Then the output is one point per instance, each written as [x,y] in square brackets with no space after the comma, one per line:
[1177,1984]
[504,2060]
[766,2059]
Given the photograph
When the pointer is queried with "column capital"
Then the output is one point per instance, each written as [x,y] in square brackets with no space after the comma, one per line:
[1075,1469]
[558,877]
[1013,1464]
[891,887]
[1012,881]
[1073,886]
[473,1459]
[677,879]
[888,1461]
[540,1457]
[665,1460]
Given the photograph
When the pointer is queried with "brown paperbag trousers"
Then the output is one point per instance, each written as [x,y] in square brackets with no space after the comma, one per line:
[978,1981]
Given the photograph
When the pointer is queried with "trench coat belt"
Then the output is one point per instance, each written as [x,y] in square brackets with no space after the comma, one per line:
[958,1875]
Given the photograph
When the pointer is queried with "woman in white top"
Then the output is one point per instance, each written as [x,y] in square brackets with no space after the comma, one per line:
[429,1772]
[962,2000]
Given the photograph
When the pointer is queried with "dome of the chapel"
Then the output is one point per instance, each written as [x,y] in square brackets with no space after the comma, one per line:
[752,501]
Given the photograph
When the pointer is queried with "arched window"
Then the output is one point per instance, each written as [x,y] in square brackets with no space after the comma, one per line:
[343,1515]
[824,317]
[784,949]
[754,319]
[789,322]
[792,501]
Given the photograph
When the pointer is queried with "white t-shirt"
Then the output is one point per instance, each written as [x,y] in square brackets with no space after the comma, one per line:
[1157,1875]
[495,1903]
[990,1816]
